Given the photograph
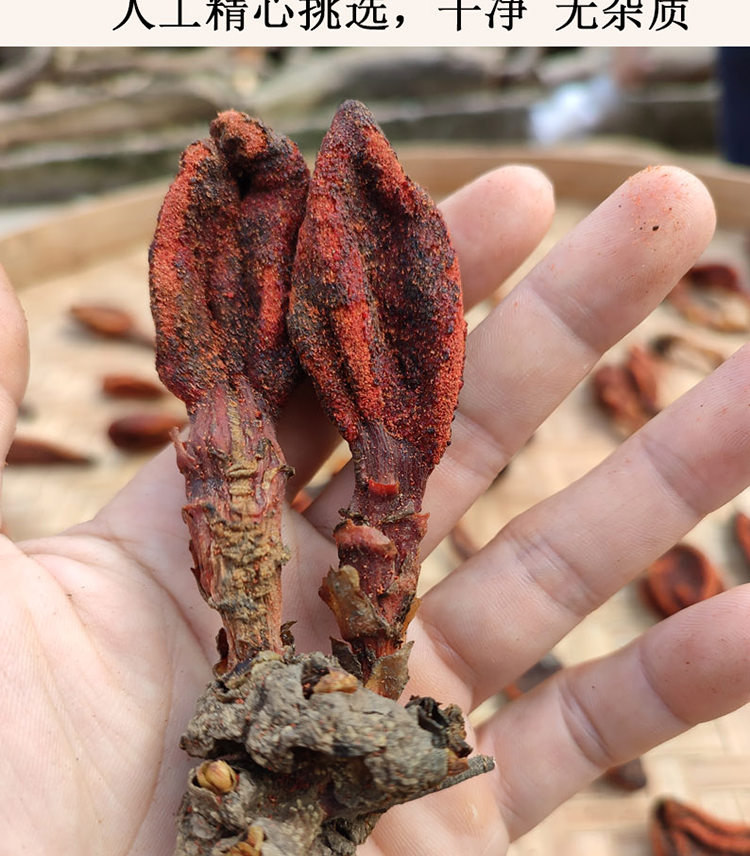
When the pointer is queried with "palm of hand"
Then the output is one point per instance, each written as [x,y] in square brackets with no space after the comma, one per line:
[107,642]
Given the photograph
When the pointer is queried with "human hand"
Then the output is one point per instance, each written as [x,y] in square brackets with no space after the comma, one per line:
[107,642]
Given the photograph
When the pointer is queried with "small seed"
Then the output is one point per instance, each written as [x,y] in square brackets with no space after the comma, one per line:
[336,681]
[217,776]
[253,844]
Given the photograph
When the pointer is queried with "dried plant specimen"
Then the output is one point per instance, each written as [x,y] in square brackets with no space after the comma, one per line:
[678,829]
[110,322]
[300,757]
[711,295]
[629,393]
[629,776]
[681,577]
[25,451]
[683,351]
[548,665]
[130,386]
[143,432]
[376,317]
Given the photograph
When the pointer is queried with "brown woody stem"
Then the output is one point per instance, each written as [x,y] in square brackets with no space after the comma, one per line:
[236,475]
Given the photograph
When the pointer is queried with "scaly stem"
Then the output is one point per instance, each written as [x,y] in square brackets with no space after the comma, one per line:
[235,475]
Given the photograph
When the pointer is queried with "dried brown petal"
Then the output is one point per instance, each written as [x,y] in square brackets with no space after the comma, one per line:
[129,386]
[629,393]
[144,432]
[645,373]
[681,577]
[711,295]
[678,829]
[685,352]
[110,322]
[27,451]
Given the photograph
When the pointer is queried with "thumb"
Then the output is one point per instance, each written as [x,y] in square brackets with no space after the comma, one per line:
[14,364]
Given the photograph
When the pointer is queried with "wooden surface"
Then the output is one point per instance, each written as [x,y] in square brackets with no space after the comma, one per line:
[96,251]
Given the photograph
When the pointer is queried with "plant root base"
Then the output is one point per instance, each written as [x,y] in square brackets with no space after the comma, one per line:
[316,766]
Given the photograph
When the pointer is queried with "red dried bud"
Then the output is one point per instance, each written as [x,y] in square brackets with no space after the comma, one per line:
[221,261]
[376,312]
[376,318]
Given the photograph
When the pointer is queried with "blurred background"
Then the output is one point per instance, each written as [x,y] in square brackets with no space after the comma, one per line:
[83,120]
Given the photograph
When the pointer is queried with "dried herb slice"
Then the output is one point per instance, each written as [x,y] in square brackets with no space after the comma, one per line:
[220,270]
[376,318]
[680,578]
[678,829]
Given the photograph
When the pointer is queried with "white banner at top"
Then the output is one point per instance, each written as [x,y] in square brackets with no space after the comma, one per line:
[374,22]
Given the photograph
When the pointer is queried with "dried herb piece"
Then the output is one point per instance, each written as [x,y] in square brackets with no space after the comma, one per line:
[629,393]
[685,352]
[678,829]
[27,451]
[220,267]
[681,577]
[548,665]
[742,534]
[317,757]
[130,386]
[629,776]
[143,432]
[712,295]
[110,322]
[376,318]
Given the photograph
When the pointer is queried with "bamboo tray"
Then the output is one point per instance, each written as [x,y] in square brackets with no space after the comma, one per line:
[96,251]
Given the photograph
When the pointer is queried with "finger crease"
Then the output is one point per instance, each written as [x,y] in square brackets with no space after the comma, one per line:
[448,654]
[485,454]
[644,664]
[581,726]
[592,349]
[675,474]
[561,581]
